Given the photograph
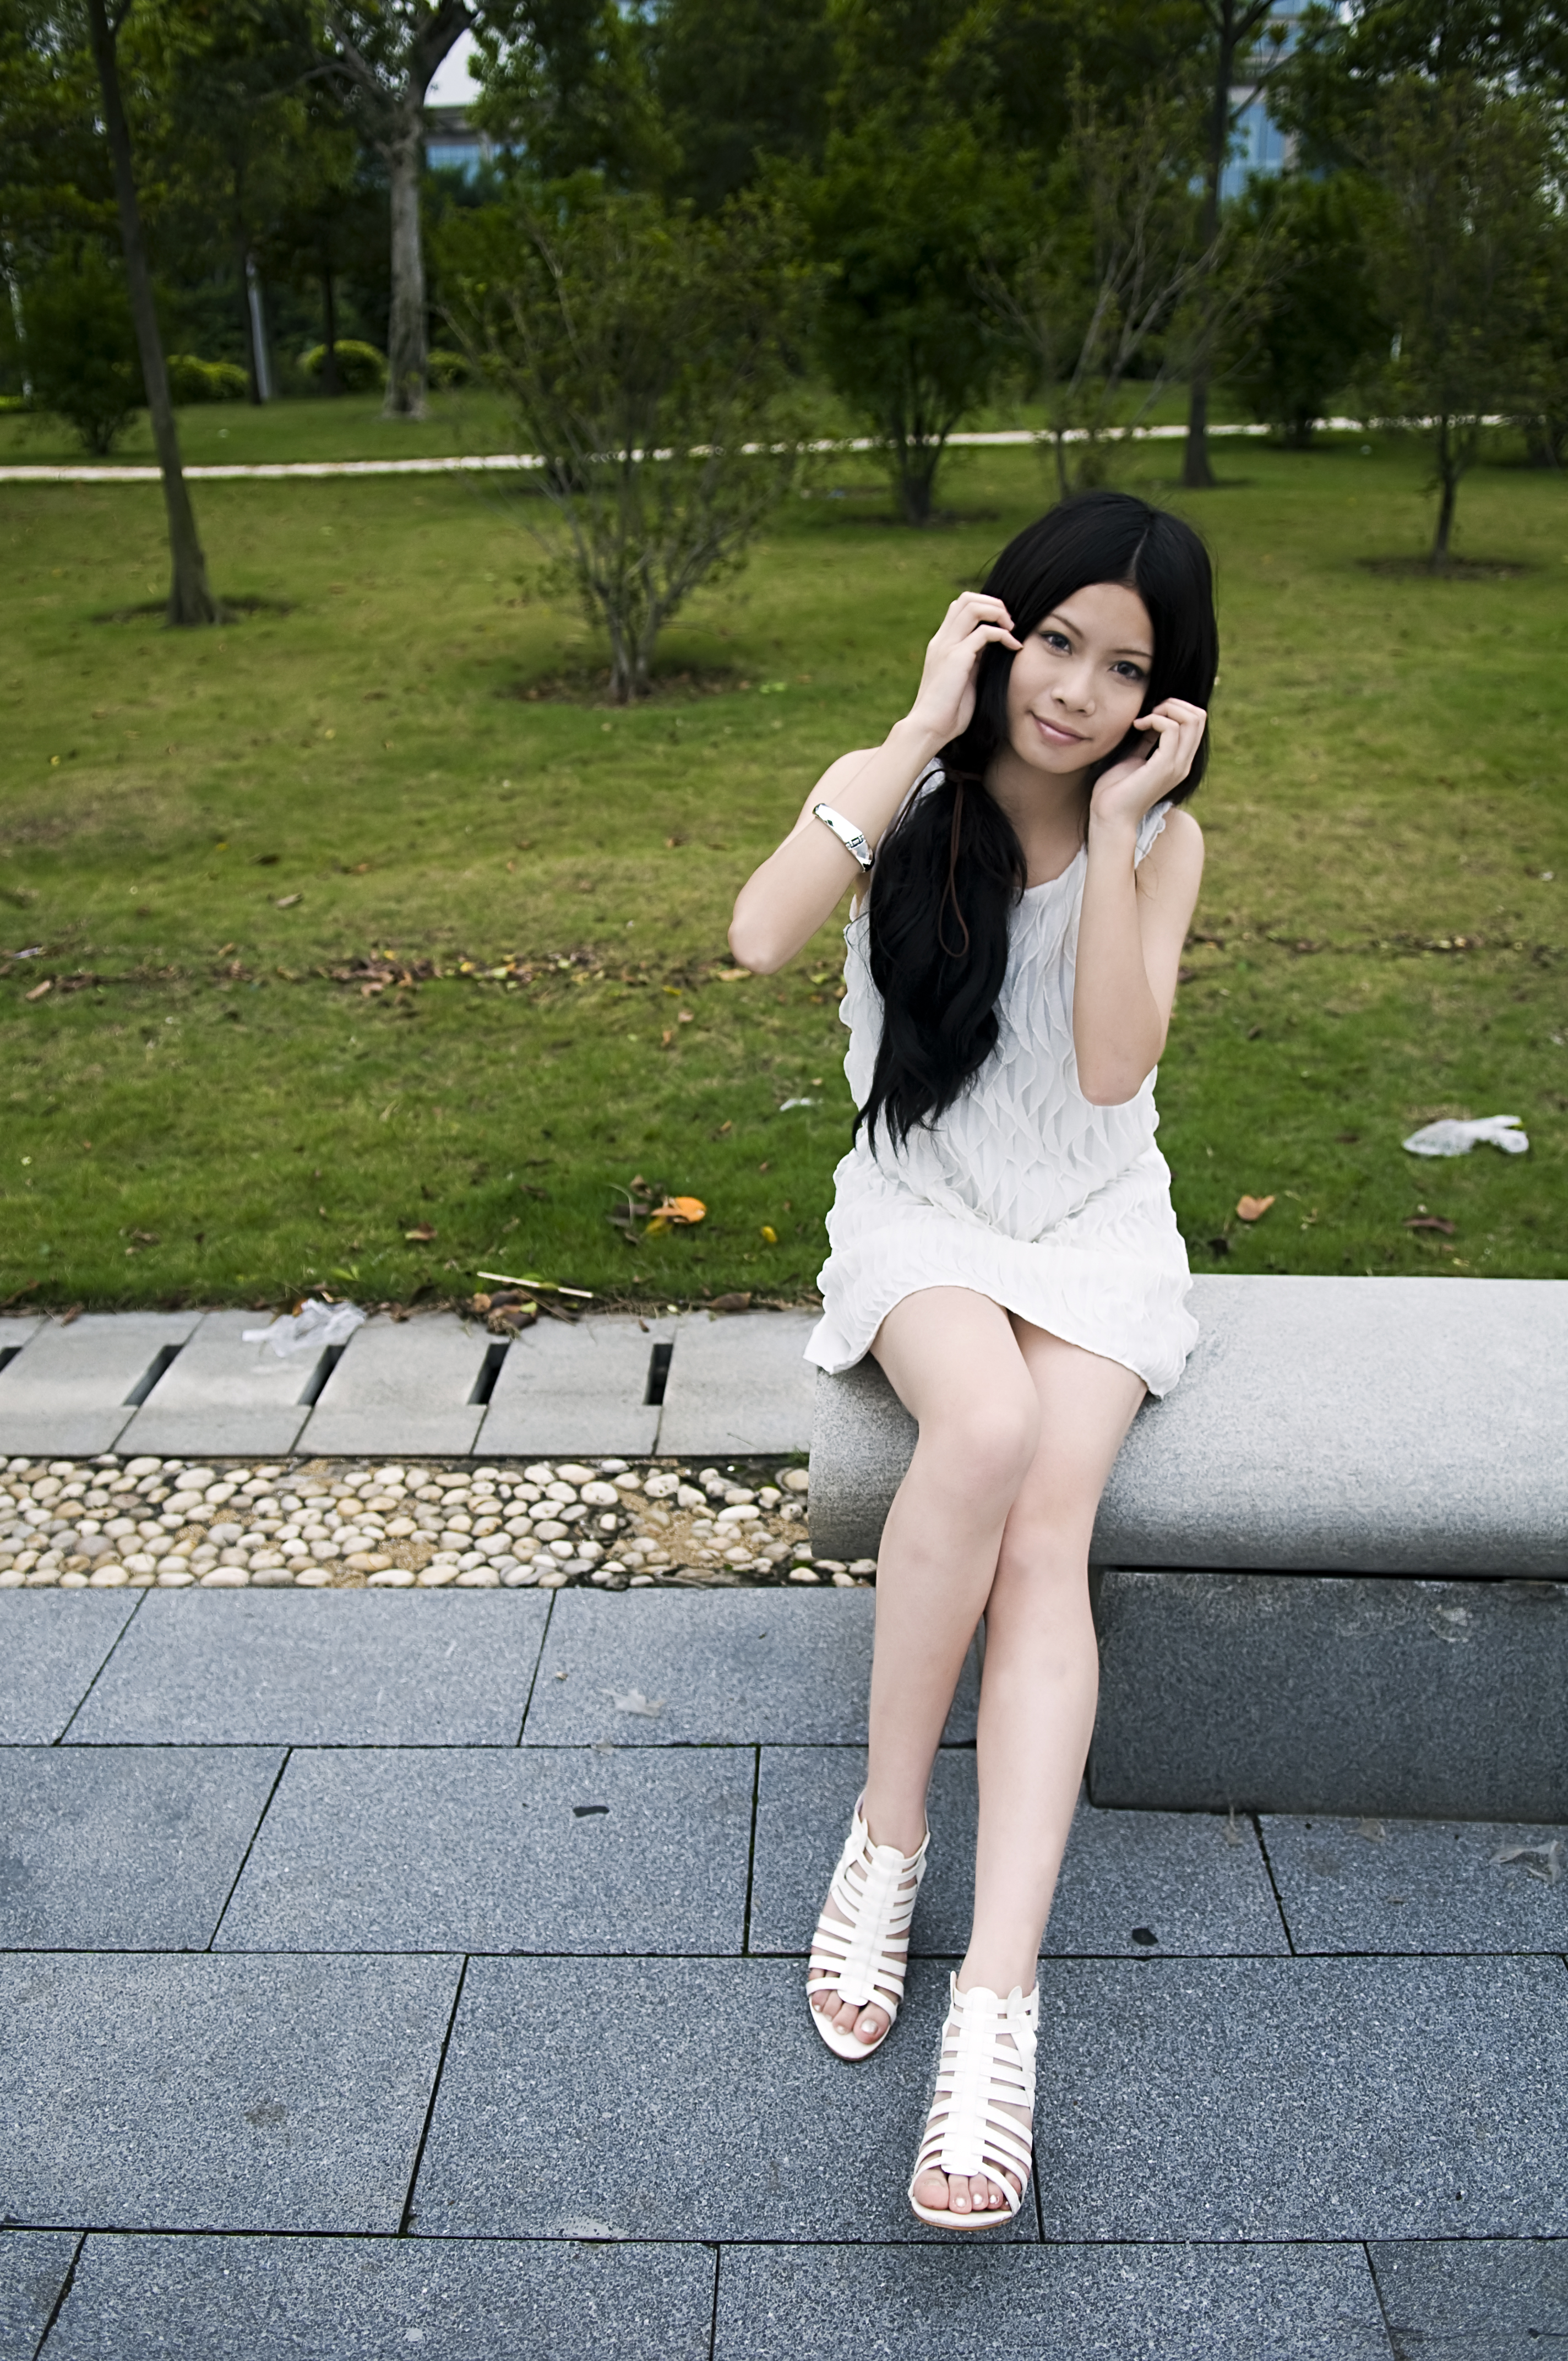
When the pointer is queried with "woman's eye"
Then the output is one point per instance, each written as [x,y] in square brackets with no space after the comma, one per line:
[1131,672]
[1056,640]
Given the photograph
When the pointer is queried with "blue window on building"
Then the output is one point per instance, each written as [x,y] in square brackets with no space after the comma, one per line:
[463,156]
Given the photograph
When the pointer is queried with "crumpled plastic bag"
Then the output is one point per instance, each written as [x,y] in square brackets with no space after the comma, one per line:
[313,1328]
[1453,1138]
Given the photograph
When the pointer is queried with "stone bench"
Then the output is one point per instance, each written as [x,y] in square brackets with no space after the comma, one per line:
[1331,1569]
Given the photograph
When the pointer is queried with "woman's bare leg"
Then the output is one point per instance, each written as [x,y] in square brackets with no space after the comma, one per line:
[955,1362]
[1041,1681]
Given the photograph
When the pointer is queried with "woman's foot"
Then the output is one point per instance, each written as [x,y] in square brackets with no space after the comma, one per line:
[974,2158]
[862,1944]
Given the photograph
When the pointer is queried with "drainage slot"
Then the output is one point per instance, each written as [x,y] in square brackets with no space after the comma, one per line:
[658,1375]
[320,1374]
[7,1354]
[489,1371]
[162,1360]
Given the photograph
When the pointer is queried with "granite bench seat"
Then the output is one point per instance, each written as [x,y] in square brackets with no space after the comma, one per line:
[1403,1441]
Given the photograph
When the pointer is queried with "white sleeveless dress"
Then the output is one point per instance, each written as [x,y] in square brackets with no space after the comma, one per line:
[1056,1209]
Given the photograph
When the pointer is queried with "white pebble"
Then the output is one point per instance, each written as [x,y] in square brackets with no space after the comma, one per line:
[600,1495]
[226,1578]
[795,1479]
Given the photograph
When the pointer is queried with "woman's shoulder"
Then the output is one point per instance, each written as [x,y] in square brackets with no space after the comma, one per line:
[1172,838]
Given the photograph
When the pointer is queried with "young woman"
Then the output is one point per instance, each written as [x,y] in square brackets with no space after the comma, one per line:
[1002,1239]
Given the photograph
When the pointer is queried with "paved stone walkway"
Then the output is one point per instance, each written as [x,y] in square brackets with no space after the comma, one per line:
[417,1973]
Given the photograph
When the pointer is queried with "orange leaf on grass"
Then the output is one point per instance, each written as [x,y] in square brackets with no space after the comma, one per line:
[1251,1209]
[680,1209]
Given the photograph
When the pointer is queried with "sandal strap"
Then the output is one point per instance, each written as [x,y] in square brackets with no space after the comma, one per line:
[873,1891]
[968,2132]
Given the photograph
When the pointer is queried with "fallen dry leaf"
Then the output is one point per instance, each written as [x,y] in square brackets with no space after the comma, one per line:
[38,990]
[731,1303]
[287,901]
[420,1235]
[1251,1209]
[1431,1222]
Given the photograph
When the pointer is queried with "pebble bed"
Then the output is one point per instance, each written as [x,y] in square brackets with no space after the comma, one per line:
[108,1523]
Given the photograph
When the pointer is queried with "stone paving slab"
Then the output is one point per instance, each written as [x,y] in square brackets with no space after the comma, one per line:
[55,1643]
[1473,2300]
[223,1398]
[1252,2099]
[970,2301]
[124,1848]
[320,1668]
[1420,1885]
[33,2266]
[723,1668]
[739,1384]
[535,1850]
[207,2094]
[137,2298]
[68,1390]
[1188,1883]
[1300,1693]
[15,1333]
[577,1390]
[402,1386]
[654,2099]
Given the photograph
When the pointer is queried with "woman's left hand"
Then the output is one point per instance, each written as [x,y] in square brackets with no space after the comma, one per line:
[1131,788]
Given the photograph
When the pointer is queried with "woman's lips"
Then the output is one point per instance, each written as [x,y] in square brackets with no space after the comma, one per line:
[1056,734]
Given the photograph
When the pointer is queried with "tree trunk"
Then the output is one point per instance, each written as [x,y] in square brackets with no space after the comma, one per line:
[331,382]
[1448,489]
[1197,474]
[247,321]
[258,330]
[406,338]
[190,600]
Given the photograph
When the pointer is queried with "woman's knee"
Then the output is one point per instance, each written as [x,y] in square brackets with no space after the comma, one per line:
[984,1446]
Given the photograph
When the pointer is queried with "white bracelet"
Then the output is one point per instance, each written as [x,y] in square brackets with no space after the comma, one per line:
[851,838]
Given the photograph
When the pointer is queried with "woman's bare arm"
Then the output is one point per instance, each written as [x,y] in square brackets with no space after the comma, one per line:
[1133,920]
[781,904]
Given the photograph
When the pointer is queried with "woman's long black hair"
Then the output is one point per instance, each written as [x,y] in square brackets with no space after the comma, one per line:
[951,868]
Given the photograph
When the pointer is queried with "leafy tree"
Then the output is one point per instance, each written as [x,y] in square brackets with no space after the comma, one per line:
[1093,293]
[649,355]
[1320,322]
[738,81]
[234,75]
[1462,174]
[384,53]
[1349,53]
[1244,50]
[77,348]
[907,218]
[567,84]
[190,601]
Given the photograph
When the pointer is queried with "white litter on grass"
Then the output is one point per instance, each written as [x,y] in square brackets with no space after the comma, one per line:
[794,1102]
[1452,1138]
[313,1328]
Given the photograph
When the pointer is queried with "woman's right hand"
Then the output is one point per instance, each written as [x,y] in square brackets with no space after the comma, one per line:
[944,702]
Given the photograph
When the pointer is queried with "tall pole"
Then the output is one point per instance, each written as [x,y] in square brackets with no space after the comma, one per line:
[190,600]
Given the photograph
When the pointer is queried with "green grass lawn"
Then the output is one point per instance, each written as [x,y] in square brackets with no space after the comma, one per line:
[196,828]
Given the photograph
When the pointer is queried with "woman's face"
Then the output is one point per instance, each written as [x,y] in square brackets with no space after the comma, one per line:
[1078,681]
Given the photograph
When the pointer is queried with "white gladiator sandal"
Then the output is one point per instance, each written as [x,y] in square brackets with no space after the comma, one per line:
[969,2131]
[863,1961]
